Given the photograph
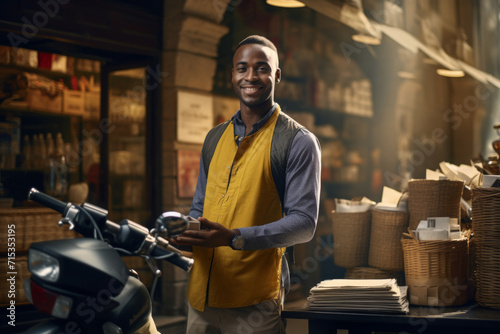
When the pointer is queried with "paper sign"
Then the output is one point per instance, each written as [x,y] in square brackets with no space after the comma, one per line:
[194,117]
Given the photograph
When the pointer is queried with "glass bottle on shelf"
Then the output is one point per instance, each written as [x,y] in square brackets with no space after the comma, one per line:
[57,173]
[43,150]
[50,145]
[26,153]
[35,152]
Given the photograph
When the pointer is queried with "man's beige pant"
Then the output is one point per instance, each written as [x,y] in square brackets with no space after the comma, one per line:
[256,319]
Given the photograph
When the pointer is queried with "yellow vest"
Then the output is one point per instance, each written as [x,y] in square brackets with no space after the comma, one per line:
[240,192]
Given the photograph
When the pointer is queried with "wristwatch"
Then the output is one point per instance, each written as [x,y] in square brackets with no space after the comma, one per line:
[238,241]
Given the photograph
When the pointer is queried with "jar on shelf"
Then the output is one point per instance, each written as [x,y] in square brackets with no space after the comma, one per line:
[493,164]
[496,142]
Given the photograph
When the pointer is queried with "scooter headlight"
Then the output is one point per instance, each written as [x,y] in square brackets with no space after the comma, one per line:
[43,265]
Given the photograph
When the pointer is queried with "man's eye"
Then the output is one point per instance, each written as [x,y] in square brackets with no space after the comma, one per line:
[241,69]
[263,69]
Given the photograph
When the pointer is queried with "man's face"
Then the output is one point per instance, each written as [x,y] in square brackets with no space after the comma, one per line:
[254,74]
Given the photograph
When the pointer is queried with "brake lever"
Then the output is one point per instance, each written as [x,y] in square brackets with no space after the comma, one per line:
[71,213]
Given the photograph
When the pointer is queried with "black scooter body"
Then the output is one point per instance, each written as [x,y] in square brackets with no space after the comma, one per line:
[95,277]
[84,283]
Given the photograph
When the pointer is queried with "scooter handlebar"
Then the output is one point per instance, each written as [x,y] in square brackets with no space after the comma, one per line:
[173,257]
[46,200]
[162,249]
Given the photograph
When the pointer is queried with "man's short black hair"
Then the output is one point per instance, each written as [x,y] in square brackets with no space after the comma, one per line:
[257,39]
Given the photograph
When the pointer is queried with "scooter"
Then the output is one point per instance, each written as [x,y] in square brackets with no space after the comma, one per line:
[84,284]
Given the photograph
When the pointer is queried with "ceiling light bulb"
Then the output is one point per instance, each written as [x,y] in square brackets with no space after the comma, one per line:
[406,75]
[285,3]
[450,73]
[366,39]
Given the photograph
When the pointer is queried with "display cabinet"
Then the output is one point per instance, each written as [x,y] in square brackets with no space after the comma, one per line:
[43,116]
[57,136]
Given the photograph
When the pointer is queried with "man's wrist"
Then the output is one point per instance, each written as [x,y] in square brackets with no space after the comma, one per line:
[237,241]
[233,235]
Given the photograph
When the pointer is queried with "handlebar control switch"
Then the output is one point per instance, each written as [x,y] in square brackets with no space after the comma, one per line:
[66,221]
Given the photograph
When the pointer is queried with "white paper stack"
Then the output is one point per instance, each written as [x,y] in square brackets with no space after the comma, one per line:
[359,295]
[344,205]
[438,228]
[393,200]
[469,174]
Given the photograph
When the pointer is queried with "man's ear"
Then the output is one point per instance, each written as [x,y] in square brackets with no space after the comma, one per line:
[278,75]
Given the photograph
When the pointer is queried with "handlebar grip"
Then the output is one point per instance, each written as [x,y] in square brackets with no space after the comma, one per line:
[174,258]
[47,200]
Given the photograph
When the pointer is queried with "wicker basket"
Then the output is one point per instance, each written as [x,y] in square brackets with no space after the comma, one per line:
[387,229]
[436,271]
[373,273]
[351,238]
[31,225]
[20,273]
[471,269]
[486,230]
[432,198]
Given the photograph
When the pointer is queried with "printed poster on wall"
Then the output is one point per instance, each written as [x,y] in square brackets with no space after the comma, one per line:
[194,117]
[188,166]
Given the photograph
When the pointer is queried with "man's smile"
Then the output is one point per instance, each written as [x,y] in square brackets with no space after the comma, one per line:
[250,90]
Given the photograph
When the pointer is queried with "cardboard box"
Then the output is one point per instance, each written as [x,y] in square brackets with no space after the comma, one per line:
[91,105]
[73,102]
[4,54]
[38,100]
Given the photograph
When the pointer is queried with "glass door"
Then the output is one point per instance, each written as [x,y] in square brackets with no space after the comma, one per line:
[126,166]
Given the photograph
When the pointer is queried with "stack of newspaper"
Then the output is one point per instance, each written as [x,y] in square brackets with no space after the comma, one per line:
[359,295]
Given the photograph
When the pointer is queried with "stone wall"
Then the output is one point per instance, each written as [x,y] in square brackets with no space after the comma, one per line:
[191,34]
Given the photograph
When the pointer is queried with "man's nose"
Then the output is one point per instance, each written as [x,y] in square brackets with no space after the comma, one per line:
[251,75]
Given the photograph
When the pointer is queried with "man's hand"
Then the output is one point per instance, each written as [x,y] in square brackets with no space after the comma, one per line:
[210,235]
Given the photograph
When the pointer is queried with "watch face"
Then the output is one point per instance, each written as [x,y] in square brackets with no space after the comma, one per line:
[238,242]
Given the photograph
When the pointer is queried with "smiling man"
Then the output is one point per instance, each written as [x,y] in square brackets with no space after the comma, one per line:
[257,194]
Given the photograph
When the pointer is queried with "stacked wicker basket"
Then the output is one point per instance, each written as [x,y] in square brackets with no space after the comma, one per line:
[435,271]
[351,237]
[486,237]
[431,198]
[385,246]
[368,244]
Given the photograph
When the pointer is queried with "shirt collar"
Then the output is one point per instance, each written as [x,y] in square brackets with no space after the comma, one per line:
[239,122]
